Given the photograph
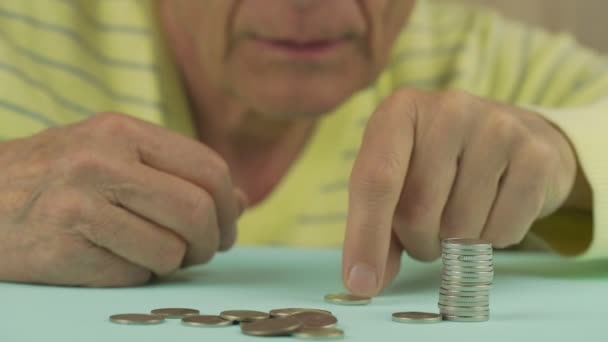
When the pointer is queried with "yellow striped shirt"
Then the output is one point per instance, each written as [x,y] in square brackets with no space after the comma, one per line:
[64,60]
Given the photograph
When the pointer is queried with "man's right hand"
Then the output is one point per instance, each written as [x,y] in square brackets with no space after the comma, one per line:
[111,201]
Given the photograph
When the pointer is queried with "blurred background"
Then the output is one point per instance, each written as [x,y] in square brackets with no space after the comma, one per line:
[586,19]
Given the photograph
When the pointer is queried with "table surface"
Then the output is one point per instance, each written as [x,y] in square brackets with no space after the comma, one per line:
[535,296]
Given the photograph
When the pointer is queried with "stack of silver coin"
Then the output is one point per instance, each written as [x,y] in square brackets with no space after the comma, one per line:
[466,280]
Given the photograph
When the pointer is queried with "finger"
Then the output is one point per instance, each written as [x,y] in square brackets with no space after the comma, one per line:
[179,156]
[135,239]
[519,202]
[393,263]
[426,190]
[475,188]
[108,270]
[170,202]
[375,184]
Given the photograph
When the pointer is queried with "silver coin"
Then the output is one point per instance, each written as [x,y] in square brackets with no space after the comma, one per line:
[468,263]
[452,268]
[464,311]
[485,257]
[464,293]
[464,299]
[468,274]
[416,317]
[459,243]
[466,318]
[465,288]
[466,252]
[463,304]
[467,281]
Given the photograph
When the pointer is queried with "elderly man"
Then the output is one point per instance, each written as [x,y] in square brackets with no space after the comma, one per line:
[136,133]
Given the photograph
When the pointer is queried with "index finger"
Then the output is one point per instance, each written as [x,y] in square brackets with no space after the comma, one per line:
[375,188]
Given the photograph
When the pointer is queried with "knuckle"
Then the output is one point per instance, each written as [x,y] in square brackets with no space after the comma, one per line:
[541,156]
[68,207]
[504,128]
[113,124]
[456,99]
[380,178]
[202,209]
[82,163]
[219,174]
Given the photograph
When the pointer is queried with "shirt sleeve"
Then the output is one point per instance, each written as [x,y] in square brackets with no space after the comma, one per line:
[568,85]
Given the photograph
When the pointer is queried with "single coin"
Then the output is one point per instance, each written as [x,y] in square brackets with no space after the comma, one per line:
[486,263]
[459,304]
[466,243]
[290,311]
[464,294]
[206,321]
[466,252]
[271,326]
[243,315]
[467,274]
[466,318]
[452,268]
[467,280]
[483,257]
[315,320]
[462,311]
[319,334]
[465,288]
[347,299]
[175,312]
[143,319]
[460,299]
[416,317]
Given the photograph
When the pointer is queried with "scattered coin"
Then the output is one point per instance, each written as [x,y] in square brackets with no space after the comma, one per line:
[315,320]
[271,326]
[290,311]
[347,299]
[143,319]
[243,315]
[175,312]
[416,317]
[206,321]
[319,334]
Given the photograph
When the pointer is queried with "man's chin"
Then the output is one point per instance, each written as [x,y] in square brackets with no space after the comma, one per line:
[304,104]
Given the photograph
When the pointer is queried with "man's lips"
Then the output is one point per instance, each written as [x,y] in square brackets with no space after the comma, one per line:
[313,48]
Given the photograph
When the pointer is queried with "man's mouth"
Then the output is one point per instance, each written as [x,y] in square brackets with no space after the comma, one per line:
[303,49]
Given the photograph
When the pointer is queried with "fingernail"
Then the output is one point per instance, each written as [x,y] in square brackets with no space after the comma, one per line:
[362,279]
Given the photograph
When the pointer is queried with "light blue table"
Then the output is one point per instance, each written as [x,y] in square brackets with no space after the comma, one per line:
[535,298]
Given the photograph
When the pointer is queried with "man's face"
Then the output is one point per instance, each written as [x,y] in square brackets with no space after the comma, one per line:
[290,58]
